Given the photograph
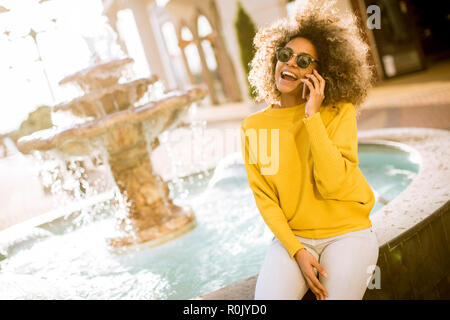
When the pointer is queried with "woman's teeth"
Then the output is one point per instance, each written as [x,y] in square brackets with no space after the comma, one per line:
[288,76]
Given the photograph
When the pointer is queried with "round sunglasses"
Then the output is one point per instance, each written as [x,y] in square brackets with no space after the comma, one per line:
[303,60]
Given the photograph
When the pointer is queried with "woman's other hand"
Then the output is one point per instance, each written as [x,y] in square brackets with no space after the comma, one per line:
[307,263]
[316,95]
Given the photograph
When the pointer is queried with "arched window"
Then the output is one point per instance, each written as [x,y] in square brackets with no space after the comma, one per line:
[205,34]
[204,28]
[192,55]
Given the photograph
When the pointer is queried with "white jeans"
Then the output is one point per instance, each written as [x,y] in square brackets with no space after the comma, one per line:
[348,259]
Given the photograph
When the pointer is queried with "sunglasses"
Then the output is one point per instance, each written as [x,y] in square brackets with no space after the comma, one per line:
[303,60]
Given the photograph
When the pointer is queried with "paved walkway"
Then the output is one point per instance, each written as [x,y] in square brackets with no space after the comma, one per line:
[432,116]
[428,87]
[420,99]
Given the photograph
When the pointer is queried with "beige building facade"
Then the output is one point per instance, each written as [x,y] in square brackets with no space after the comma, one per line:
[194,41]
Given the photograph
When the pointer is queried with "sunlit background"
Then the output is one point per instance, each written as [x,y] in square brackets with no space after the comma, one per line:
[43,41]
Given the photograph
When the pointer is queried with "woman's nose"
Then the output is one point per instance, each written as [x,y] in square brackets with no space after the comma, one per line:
[292,61]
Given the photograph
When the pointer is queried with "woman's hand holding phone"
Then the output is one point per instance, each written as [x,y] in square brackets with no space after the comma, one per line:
[316,94]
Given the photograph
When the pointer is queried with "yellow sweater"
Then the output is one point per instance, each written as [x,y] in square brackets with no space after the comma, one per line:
[304,172]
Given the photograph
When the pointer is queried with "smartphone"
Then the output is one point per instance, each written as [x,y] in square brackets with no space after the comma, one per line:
[305,88]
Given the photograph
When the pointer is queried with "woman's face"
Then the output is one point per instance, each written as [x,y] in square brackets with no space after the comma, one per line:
[286,84]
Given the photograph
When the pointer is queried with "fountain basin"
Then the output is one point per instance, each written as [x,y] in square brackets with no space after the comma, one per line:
[227,245]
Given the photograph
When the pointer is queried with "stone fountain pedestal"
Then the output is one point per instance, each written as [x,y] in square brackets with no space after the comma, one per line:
[152,214]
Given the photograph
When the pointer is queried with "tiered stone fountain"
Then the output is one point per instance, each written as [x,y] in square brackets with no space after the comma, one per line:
[110,111]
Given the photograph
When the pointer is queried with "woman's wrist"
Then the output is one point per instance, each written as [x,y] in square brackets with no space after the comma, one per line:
[298,251]
[309,114]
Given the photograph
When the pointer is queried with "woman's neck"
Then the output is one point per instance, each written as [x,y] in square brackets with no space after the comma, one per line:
[289,100]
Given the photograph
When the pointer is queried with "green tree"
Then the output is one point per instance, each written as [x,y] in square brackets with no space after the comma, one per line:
[246,31]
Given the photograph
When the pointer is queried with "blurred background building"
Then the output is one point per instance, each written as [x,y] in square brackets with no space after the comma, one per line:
[184,42]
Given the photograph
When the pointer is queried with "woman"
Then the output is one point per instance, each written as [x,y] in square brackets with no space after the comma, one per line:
[310,190]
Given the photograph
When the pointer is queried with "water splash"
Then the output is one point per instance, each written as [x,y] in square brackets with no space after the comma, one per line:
[195,164]
[71,180]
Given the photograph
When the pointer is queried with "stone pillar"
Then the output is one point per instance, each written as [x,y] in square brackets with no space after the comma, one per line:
[226,68]
[149,42]
[359,10]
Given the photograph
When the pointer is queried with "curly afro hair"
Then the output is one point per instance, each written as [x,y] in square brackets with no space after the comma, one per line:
[341,50]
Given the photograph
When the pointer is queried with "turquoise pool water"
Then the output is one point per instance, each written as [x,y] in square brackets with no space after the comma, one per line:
[68,261]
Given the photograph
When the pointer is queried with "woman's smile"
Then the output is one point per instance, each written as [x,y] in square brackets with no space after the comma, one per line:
[288,80]
[287,75]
